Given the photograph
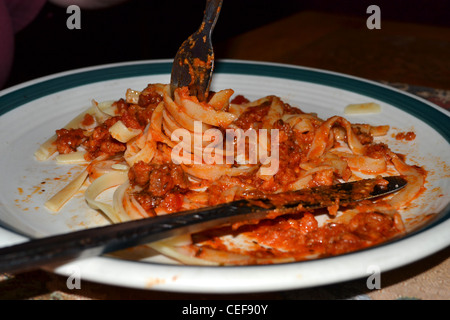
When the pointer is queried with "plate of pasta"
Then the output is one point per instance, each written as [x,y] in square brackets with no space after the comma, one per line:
[112,143]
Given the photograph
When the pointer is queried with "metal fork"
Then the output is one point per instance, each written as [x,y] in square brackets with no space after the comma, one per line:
[194,62]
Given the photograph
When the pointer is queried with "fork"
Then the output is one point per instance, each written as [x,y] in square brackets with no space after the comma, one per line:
[194,62]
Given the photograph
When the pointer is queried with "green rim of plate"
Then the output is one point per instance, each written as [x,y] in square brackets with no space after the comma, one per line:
[414,106]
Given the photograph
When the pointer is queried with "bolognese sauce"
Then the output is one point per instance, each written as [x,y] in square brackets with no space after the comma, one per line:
[99,142]
[308,157]
[159,185]
[300,237]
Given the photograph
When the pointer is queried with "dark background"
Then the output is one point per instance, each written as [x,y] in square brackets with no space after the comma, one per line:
[146,29]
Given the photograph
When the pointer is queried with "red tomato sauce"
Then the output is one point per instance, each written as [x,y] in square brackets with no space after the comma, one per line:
[300,237]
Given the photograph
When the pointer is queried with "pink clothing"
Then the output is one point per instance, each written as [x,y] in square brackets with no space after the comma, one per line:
[14,16]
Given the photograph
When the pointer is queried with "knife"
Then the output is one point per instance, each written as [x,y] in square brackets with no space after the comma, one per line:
[96,241]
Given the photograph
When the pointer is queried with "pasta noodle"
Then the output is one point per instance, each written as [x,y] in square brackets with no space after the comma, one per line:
[163,154]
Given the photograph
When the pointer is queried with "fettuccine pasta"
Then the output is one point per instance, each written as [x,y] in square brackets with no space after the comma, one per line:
[165,154]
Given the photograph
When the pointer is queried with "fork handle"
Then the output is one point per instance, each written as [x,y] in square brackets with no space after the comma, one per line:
[211,14]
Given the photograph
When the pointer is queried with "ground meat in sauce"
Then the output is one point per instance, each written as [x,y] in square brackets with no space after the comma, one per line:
[408,136]
[291,155]
[363,137]
[96,143]
[88,120]
[299,235]
[288,109]
[293,147]
[363,230]
[68,140]
[149,97]
[162,185]
[100,142]
[377,151]
[137,116]
[252,116]
[239,99]
[164,178]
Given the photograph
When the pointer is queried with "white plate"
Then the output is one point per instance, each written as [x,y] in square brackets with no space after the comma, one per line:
[32,111]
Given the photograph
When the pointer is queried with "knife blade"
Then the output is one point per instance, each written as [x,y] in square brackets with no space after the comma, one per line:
[96,241]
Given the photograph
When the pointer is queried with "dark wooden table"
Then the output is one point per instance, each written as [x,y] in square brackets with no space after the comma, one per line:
[398,52]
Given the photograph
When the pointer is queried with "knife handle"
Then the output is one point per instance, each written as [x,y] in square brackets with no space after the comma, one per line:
[92,242]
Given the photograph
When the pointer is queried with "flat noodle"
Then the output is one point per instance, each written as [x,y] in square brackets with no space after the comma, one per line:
[413,188]
[122,133]
[214,172]
[119,210]
[275,113]
[100,185]
[55,203]
[181,117]
[126,206]
[322,138]
[178,254]
[156,125]
[307,177]
[204,113]
[140,148]
[221,100]
[46,150]
[299,123]
[364,164]
[77,157]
